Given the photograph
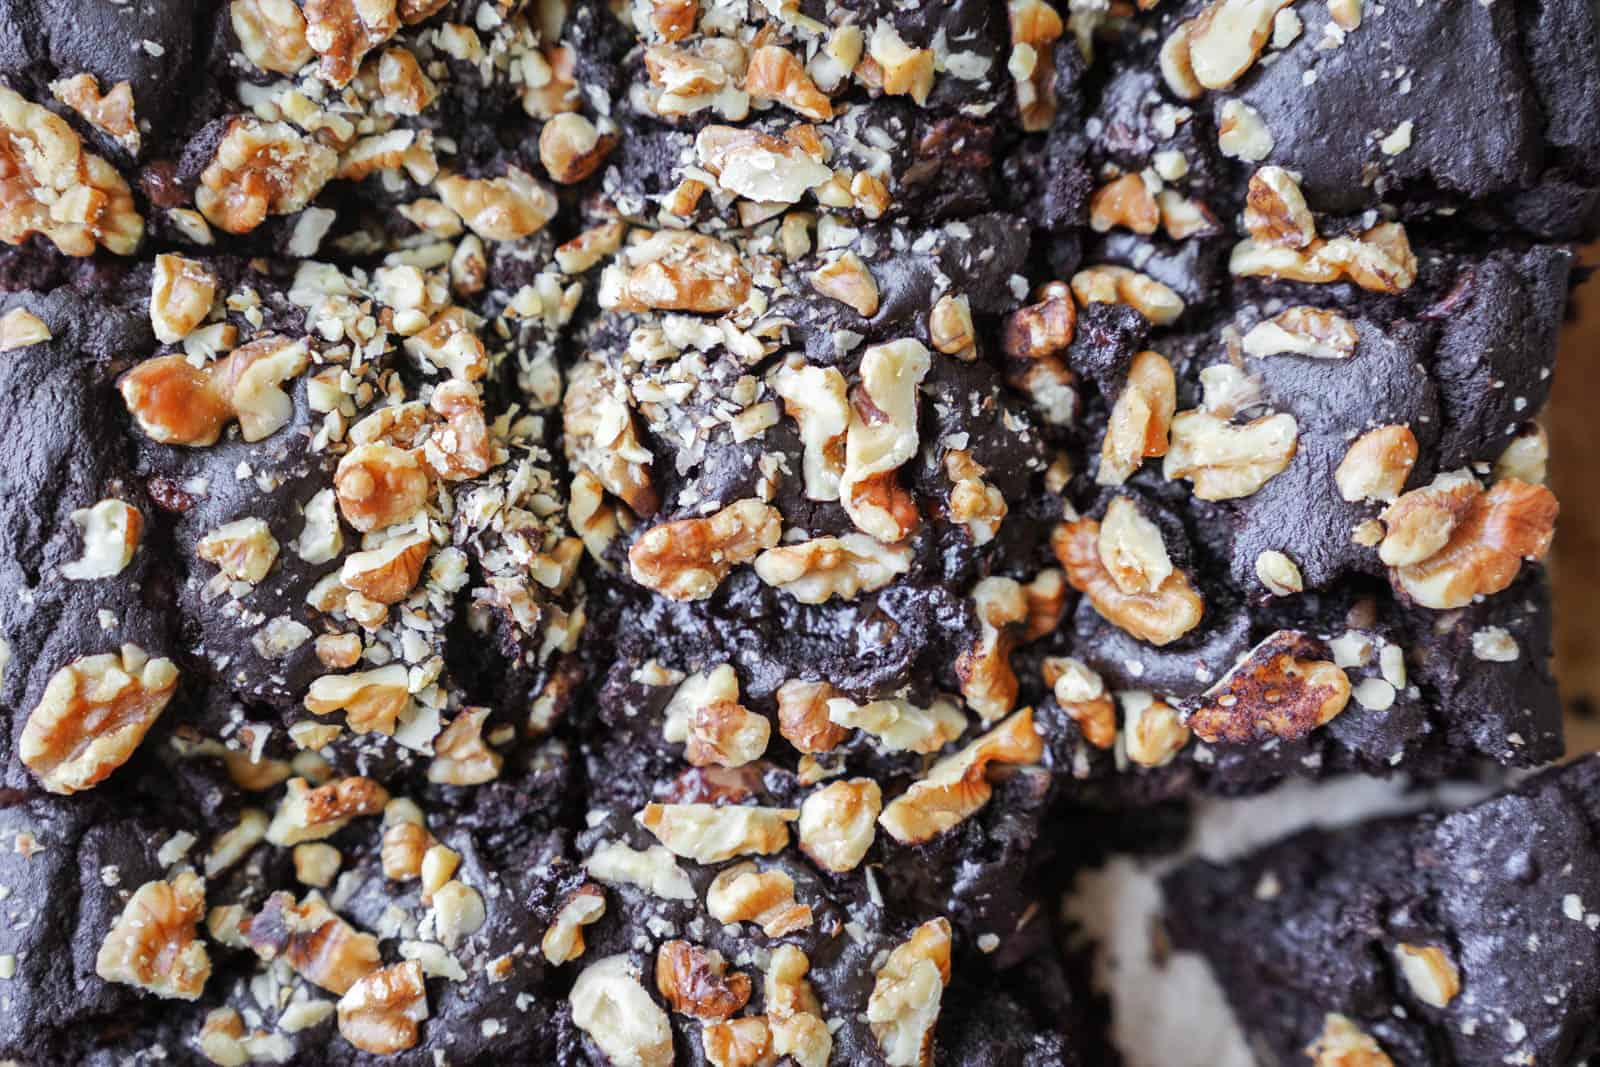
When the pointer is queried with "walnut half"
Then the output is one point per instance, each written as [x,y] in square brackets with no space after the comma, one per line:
[958,786]
[382,1013]
[154,943]
[687,559]
[1160,615]
[94,712]
[1484,549]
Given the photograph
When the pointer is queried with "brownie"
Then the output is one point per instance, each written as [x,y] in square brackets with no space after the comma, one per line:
[1455,937]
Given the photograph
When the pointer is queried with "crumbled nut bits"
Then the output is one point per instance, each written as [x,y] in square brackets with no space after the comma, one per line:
[572,531]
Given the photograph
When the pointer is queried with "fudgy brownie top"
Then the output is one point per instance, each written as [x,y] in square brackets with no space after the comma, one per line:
[633,533]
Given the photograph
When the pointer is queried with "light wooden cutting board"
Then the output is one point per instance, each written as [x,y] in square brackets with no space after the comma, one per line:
[1574,426]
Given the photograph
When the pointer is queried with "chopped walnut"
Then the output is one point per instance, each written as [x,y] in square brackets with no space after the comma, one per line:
[498,209]
[816,571]
[848,281]
[1082,695]
[673,20]
[1510,522]
[111,533]
[342,32]
[1280,574]
[379,485]
[708,833]
[312,814]
[1377,464]
[1224,461]
[803,716]
[1140,419]
[653,869]
[1160,616]
[601,437]
[1132,549]
[571,148]
[817,399]
[404,845]
[974,503]
[110,113]
[563,939]
[905,71]
[1177,69]
[1275,210]
[590,247]
[673,271]
[793,1013]
[958,786]
[837,823]
[1226,37]
[776,74]
[372,700]
[52,187]
[1303,331]
[20,328]
[321,947]
[449,343]
[406,89]
[1035,27]
[260,169]
[552,88]
[387,574]
[695,982]
[1420,523]
[1433,978]
[881,437]
[1525,459]
[612,1006]
[951,330]
[175,402]
[460,755]
[901,726]
[1037,330]
[987,681]
[1108,284]
[906,995]
[243,550]
[1379,260]
[687,559]
[1128,202]
[180,297]
[1153,733]
[761,167]
[742,1042]
[1344,1044]
[744,894]
[705,74]
[1047,602]
[94,712]
[382,1013]
[1282,688]
[155,945]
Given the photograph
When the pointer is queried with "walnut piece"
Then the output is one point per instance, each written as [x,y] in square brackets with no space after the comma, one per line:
[902,70]
[674,271]
[20,328]
[342,32]
[695,981]
[1275,210]
[958,786]
[653,869]
[154,943]
[181,292]
[794,1016]
[1224,461]
[901,726]
[974,503]
[387,574]
[1283,688]
[705,716]
[1035,27]
[460,755]
[742,893]
[906,995]
[761,167]
[803,716]
[243,550]
[1379,260]
[321,947]
[776,74]
[611,1005]
[372,700]
[175,402]
[1226,37]
[816,571]
[1109,284]
[837,823]
[1035,331]
[111,533]
[602,439]
[1153,733]
[260,169]
[1303,331]
[1128,202]
[506,208]
[881,437]
[272,34]
[1433,978]
[1140,419]
[111,113]
[1344,1044]
[817,399]
[708,833]
[742,1042]
[563,939]
[311,814]
[383,1012]
[1377,464]
[687,559]
[1417,525]
[379,485]
[1082,695]
[94,712]
[987,681]
[571,148]
[847,280]
[1159,616]
[1483,553]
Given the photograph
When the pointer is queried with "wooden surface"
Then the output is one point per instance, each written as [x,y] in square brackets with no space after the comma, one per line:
[1573,422]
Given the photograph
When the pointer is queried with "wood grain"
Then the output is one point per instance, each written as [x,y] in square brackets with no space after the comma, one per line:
[1574,426]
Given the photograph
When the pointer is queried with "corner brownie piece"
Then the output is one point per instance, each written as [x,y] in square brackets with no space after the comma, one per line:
[1461,937]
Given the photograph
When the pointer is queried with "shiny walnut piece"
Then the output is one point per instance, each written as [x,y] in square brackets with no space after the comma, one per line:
[1109,284]
[111,533]
[372,700]
[817,398]
[687,559]
[1377,464]
[673,271]
[1418,524]
[803,716]
[958,786]
[572,148]
[951,330]
[1047,603]
[260,169]
[1275,210]
[1303,331]
[1132,549]
[793,1014]
[321,947]
[154,943]
[652,869]
[708,833]
[111,113]
[563,939]
[907,993]
[902,69]
[695,982]
[506,208]
[1037,330]
[761,167]
[742,1042]
[1429,972]
[816,571]
[987,681]
[776,74]
[743,893]
[1511,522]
[881,437]
[897,725]
[1344,1044]
[312,814]
[272,34]
[1224,40]
[1379,260]
[20,328]
[705,716]
[1153,732]
[1160,617]
[387,574]
[181,292]
[1128,202]
[94,712]
[1525,459]
[50,186]
[847,280]
[612,1006]
[175,402]
[602,438]
[1035,27]
[342,32]
[974,503]
[243,550]
[837,823]
[383,1012]
[460,754]
[1141,419]
[379,485]
[1083,696]
[1224,461]
[1285,687]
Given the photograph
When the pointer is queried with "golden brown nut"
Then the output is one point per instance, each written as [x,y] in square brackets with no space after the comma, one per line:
[1284,688]
[803,716]
[382,1012]
[687,559]
[1344,1044]
[1500,528]
[906,994]
[1160,616]
[321,947]
[379,485]
[696,982]
[371,700]
[1128,202]
[154,943]
[1041,329]
[260,169]
[175,402]
[1140,419]
[775,73]
[958,786]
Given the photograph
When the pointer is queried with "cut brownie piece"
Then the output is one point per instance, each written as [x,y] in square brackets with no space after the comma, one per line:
[1463,938]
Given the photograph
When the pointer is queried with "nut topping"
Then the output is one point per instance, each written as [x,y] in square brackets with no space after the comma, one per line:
[901,726]
[958,786]
[111,532]
[342,32]
[1275,210]
[1500,528]
[1225,461]
[906,995]
[261,169]
[1160,616]
[1153,733]
[687,559]
[175,402]
[695,981]
[1420,523]
[742,1042]
[1107,284]
[1225,39]
[1140,419]
[987,681]
[460,755]
[836,823]
[382,1013]
[1082,695]
[761,167]
[817,399]
[243,550]
[905,71]
[793,1014]
[672,271]
[571,148]
[716,730]
[312,814]
[742,893]
[379,485]
[1032,332]
[1433,979]
[707,833]
[20,328]
[154,943]
[1302,331]
[321,947]
[611,1005]
[110,113]
[776,74]
[371,700]
[974,503]
[816,571]
[1282,688]
[1379,260]
[848,281]
[93,714]
[1377,465]
[498,209]
[882,436]
[1035,27]
[1344,1044]
[803,716]
[563,940]
[1131,549]
[387,574]
[180,297]
[1128,202]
